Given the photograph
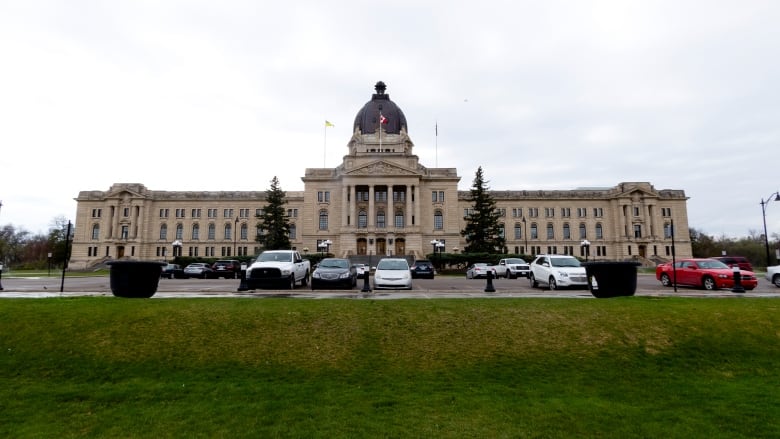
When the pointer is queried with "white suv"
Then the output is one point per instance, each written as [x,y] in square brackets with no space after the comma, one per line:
[557,271]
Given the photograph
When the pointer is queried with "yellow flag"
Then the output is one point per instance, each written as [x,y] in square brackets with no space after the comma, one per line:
[328,124]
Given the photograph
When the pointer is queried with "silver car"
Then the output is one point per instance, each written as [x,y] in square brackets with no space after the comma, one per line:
[393,273]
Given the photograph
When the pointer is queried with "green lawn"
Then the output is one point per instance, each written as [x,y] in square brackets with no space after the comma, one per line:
[492,368]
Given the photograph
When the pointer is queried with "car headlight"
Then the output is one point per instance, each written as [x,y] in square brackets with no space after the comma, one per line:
[723,276]
[286,272]
[346,275]
[563,274]
[315,275]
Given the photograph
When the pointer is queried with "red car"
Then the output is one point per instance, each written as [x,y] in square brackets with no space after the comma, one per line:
[709,274]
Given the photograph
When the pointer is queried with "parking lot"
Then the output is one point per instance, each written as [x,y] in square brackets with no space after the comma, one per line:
[440,287]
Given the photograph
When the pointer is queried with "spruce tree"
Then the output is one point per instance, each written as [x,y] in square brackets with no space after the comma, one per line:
[483,230]
[274,226]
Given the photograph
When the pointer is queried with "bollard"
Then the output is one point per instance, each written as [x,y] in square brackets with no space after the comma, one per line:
[1,277]
[242,286]
[366,286]
[737,288]
[489,287]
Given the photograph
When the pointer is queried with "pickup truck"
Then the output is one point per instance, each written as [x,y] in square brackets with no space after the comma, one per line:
[512,268]
[280,268]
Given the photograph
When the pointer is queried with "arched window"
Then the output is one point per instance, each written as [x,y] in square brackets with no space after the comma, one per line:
[293,231]
[164,231]
[534,231]
[228,231]
[179,232]
[518,232]
[599,231]
[323,219]
[550,231]
[362,219]
[244,232]
[96,232]
[195,231]
[438,220]
[566,231]
[399,219]
[502,233]
[583,231]
[212,231]
[380,219]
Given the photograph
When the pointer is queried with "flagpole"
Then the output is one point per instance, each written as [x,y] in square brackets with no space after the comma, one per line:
[325,143]
[380,131]
[437,144]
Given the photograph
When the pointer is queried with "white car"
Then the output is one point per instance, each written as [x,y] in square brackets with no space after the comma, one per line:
[773,275]
[557,271]
[393,273]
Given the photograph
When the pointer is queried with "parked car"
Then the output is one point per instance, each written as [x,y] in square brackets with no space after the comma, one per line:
[361,270]
[739,261]
[334,273]
[709,274]
[171,271]
[198,269]
[422,269]
[393,273]
[227,268]
[557,271]
[479,269]
[773,275]
[512,268]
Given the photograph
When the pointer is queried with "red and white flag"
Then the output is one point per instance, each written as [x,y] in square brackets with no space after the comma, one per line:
[382,119]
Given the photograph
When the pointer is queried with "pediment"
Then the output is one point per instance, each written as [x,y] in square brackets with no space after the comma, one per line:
[381,167]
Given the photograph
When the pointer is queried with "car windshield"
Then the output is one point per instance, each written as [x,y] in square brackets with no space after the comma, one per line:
[515,261]
[391,264]
[564,262]
[334,263]
[712,264]
[275,257]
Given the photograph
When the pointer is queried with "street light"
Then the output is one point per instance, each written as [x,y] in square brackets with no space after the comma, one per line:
[763,213]
[176,248]
[437,245]
[585,244]
[525,234]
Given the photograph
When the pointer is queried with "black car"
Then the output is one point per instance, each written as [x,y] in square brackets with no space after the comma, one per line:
[227,268]
[334,273]
[170,271]
[422,269]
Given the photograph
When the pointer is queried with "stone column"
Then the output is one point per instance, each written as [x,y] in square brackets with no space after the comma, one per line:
[409,206]
[344,209]
[417,205]
[371,212]
[352,205]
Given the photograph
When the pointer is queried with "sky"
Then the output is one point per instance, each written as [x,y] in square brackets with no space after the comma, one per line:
[557,95]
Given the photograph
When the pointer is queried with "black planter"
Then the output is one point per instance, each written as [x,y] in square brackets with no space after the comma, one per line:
[135,279]
[612,279]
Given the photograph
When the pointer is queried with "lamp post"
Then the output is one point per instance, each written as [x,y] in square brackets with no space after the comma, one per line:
[235,237]
[327,243]
[435,243]
[525,234]
[776,196]
[176,249]
[585,244]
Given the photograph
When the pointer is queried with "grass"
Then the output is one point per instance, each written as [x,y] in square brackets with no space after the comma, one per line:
[628,367]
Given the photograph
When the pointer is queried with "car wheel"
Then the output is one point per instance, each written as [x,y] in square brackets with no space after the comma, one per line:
[305,279]
[532,281]
[708,283]
[665,281]
[553,284]
[291,285]
[776,280]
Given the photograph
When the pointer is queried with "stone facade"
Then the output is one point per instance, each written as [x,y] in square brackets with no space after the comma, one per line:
[379,201]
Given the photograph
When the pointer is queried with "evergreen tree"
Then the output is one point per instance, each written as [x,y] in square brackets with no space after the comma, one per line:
[483,230]
[274,226]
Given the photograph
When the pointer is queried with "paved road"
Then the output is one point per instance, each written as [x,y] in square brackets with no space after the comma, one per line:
[441,287]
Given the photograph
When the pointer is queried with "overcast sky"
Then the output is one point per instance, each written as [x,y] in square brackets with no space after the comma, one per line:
[225,95]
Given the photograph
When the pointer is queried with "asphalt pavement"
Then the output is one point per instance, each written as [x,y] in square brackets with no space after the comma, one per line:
[440,287]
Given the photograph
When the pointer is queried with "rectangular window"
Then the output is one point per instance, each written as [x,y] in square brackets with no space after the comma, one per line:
[227,213]
[259,212]
[126,212]
[96,213]
[637,230]
[399,196]
[323,196]
[195,213]
[501,211]
[566,212]
[212,213]
[598,212]
[125,232]
[666,211]
[636,210]
[292,213]
[517,212]
[180,213]
[533,212]
[582,212]
[549,212]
